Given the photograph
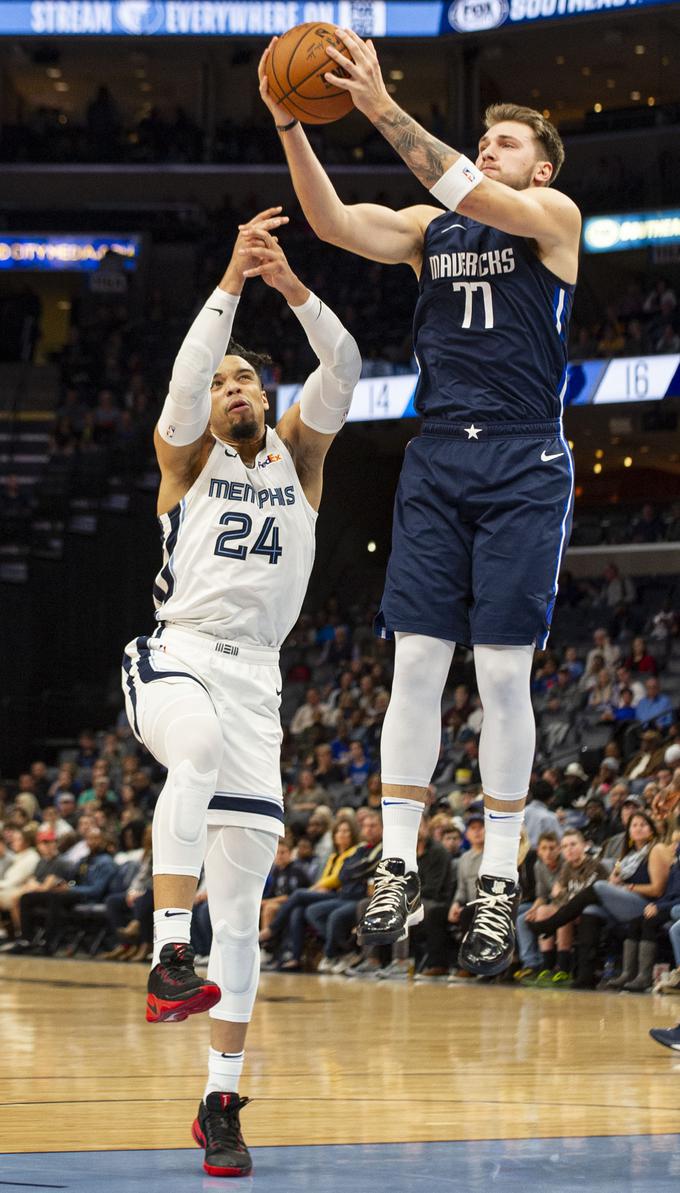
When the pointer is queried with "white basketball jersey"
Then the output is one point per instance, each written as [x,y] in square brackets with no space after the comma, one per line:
[238,549]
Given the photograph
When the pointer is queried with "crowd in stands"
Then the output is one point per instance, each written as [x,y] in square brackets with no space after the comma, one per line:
[644,321]
[600,856]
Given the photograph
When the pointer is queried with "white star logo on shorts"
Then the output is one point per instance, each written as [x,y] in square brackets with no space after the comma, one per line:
[472,431]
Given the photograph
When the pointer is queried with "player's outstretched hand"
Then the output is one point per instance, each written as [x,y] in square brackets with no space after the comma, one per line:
[365,82]
[281,115]
[267,260]
[263,224]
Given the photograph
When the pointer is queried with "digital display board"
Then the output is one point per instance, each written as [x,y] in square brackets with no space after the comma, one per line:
[262,18]
[57,251]
[590,382]
[615,233]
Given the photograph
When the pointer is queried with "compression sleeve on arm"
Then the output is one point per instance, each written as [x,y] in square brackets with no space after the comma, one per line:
[186,410]
[327,393]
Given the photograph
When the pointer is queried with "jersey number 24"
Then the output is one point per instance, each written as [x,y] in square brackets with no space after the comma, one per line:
[241,525]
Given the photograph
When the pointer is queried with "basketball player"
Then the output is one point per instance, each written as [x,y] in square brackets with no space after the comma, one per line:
[483,508]
[237,506]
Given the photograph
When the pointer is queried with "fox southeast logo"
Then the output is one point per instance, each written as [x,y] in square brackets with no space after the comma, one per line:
[471,16]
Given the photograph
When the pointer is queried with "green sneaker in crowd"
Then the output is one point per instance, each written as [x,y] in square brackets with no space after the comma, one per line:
[545,979]
[542,978]
[562,979]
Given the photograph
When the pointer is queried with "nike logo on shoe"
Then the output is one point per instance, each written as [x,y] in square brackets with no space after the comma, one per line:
[545,458]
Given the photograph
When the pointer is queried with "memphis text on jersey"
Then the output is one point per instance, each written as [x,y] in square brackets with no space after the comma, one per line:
[241,491]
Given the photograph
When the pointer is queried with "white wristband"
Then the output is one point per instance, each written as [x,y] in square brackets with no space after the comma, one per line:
[454,186]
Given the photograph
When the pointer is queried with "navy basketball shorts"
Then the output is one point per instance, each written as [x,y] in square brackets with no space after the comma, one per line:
[482,518]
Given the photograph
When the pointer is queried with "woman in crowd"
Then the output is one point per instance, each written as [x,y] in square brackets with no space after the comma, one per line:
[639,660]
[289,925]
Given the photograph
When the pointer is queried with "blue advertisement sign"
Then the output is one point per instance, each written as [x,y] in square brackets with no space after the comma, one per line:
[263,18]
[225,18]
[639,230]
[57,252]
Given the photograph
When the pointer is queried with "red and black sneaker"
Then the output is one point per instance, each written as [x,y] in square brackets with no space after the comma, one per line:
[175,990]
[217,1128]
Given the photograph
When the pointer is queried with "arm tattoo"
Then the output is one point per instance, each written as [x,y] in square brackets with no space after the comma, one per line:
[427,157]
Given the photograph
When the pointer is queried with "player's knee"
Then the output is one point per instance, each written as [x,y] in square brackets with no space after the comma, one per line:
[416,674]
[189,792]
[503,676]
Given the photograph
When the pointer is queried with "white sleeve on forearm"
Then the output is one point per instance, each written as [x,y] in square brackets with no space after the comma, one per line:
[327,393]
[186,411]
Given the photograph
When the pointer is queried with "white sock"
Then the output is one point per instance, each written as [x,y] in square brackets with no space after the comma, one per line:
[171,925]
[501,843]
[224,1072]
[401,821]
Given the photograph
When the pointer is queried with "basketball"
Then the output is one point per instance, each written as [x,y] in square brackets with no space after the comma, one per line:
[295,74]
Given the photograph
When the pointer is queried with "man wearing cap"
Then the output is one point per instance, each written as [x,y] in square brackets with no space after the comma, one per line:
[672,756]
[89,885]
[51,872]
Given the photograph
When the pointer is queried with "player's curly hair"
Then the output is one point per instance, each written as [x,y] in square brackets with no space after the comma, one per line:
[257,360]
[545,133]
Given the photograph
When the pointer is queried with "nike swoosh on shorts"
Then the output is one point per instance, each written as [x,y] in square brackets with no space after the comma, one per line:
[545,458]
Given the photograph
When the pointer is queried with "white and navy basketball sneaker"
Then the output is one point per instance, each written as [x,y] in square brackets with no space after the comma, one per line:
[394,906]
[489,943]
[668,1036]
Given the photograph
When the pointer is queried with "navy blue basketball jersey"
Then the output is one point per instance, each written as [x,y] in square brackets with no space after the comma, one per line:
[490,327]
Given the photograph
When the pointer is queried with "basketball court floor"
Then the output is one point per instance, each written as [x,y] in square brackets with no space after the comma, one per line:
[365,1086]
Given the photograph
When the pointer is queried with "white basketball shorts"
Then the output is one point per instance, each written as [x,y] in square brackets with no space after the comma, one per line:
[244,686]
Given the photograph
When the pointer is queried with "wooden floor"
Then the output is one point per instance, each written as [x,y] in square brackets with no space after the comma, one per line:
[329,1061]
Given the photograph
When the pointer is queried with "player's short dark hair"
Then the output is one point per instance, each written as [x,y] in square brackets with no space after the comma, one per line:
[545,133]
[257,360]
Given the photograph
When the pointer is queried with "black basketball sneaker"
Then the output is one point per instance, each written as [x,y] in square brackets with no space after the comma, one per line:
[489,942]
[395,905]
[175,990]
[217,1128]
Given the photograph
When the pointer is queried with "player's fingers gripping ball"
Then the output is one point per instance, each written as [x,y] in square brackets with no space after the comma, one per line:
[295,69]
